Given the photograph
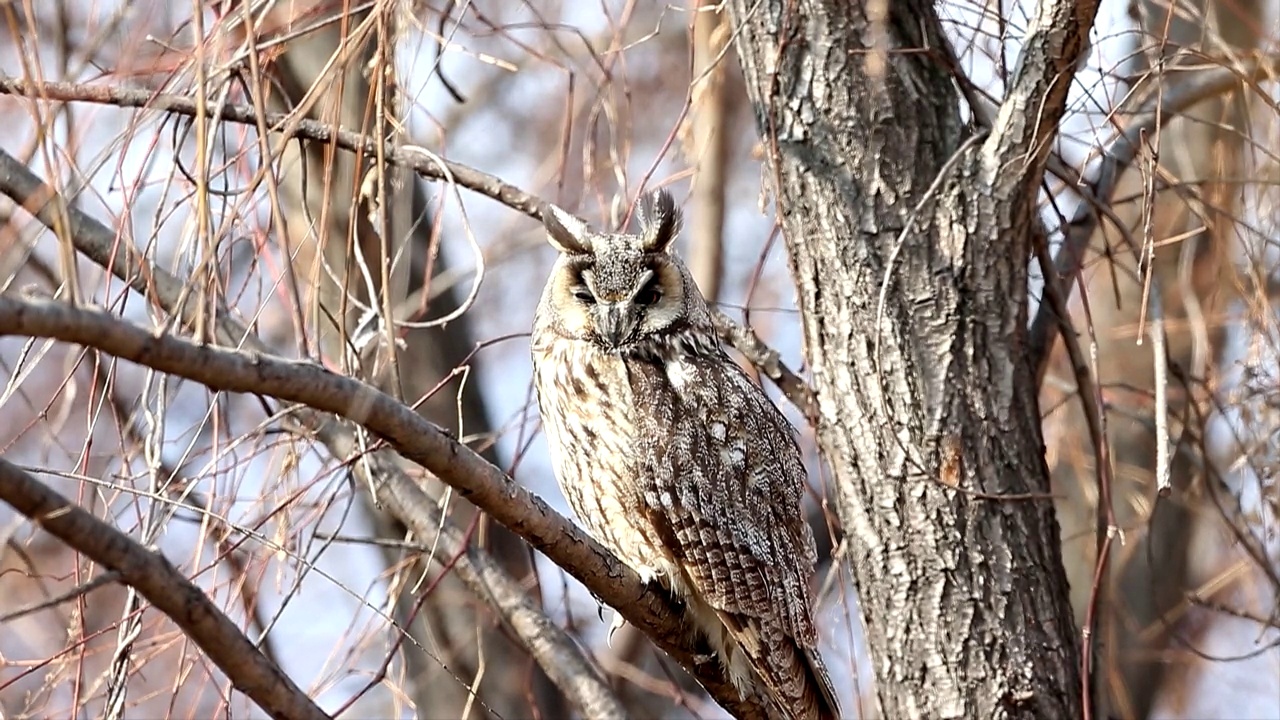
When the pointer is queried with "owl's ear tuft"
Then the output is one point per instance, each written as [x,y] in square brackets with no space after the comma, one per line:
[565,233]
[659,221]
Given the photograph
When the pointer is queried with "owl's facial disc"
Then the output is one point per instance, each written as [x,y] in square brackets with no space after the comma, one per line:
[620,317]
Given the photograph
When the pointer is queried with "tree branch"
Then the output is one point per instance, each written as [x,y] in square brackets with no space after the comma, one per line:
[424,163]
[164,587]
[409,433]
[1149,112]
[1028,119]
[768,362]
[290,125]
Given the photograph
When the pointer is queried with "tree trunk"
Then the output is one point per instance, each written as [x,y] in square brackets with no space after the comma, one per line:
[928,408]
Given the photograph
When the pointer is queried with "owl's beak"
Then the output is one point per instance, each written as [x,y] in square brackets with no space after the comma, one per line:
[614,324]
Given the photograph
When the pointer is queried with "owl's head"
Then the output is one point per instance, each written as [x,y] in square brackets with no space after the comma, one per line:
[616,290]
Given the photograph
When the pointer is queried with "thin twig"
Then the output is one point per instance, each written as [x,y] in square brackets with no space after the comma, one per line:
[1160,361]
[182,490]
[106,578]
[1104,524]
[1196,599]
[1095,418]
[424,163]
[1101,180]
[164,587]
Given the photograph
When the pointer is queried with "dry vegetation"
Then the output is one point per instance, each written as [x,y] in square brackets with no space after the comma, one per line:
[268,272]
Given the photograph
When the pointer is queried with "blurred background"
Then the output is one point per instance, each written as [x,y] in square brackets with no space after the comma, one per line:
[585,105]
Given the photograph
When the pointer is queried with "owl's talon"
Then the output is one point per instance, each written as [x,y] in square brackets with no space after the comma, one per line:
[703,659]
[614,626]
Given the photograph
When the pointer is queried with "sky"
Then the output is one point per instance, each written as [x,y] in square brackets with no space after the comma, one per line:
[344,577]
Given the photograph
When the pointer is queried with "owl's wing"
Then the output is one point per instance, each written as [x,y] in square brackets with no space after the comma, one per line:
[724,492]
[723,486]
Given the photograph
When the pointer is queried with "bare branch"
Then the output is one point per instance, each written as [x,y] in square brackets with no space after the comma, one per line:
[412,436]
[18,182]
[768,362]
[290,125]
[1152,112]
[164,587]
[75,593]
[1028,118]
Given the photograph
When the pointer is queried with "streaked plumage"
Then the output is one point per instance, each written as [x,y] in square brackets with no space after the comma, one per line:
[672,457]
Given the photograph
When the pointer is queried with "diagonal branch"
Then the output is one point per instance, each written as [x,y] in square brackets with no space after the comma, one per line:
[413,436]
[290,125]
[768,362]
[164,587]
[615,584]
[1028,119]
[426,164]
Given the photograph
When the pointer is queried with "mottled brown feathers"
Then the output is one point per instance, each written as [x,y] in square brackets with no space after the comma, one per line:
[672,457]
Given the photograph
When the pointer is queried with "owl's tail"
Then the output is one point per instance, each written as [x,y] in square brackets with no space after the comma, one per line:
[759,651]
[827,707]
[798,681]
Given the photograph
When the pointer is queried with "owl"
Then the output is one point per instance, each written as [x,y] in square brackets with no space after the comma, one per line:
[672,457]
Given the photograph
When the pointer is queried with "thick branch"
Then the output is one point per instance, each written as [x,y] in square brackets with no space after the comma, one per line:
[551,647]
[164,587]
[409,433]
[317,387]
[1027,122]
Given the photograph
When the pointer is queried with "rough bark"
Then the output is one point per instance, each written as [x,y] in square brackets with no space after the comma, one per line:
[927,406]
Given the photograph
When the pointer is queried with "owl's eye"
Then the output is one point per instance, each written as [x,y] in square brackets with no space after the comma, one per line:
[584,295]
[649,295]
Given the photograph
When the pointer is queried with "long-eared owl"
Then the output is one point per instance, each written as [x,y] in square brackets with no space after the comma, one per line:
[672,457]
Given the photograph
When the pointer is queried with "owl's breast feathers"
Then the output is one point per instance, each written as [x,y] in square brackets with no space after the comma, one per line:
[584,397]
[680,464]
